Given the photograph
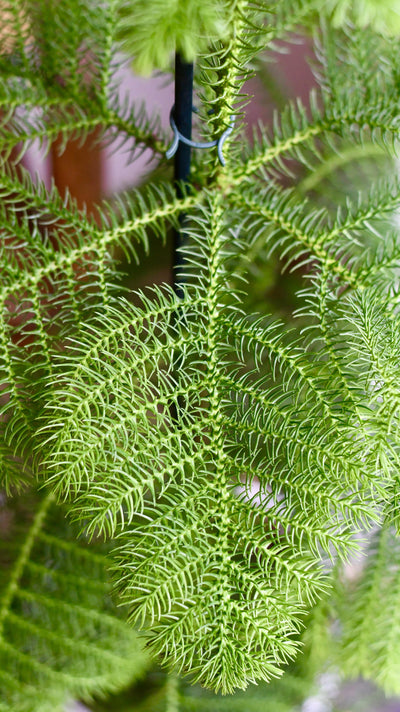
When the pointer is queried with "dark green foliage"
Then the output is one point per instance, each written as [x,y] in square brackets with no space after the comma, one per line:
[230,458]
[369,646]
[171,695]
[60,636]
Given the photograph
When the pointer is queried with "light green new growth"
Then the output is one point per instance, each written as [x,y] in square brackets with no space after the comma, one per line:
[230,457]
[175,25]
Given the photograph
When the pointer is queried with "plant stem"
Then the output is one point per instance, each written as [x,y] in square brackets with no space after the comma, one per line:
[172,693]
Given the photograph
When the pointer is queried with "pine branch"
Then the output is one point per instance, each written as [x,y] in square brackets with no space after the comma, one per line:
[59,634]
[74,89]
[169,694]
[61,274]
[229,516]
[62,117]
[370,618]
[295,133]
[251,478]
[310,236]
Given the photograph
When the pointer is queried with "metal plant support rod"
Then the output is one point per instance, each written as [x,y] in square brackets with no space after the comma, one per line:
[183,121]
[181,149]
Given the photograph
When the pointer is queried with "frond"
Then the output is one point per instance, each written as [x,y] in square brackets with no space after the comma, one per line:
[14,471]
[67,121]
[357,102]
[59,79]
[57,271]
[60,636]
[373,331]
[288,16]
[298,131]
[357,246]
[55,44]
[164,432]
[223,70]
[152,31]
[360,53]
[252,26]
[231,458]
[171,694]
[370,619]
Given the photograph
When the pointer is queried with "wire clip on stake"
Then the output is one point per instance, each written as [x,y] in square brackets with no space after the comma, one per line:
[196,144]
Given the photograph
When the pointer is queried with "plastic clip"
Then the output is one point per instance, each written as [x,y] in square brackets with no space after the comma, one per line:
[196,144]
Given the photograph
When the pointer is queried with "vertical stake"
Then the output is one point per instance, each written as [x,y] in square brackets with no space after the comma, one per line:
[183,121]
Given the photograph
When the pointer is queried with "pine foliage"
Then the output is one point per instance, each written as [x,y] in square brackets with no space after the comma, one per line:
[169,694]
[230,457]
[60,635]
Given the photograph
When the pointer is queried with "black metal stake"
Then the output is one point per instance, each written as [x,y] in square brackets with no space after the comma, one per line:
[183,121]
